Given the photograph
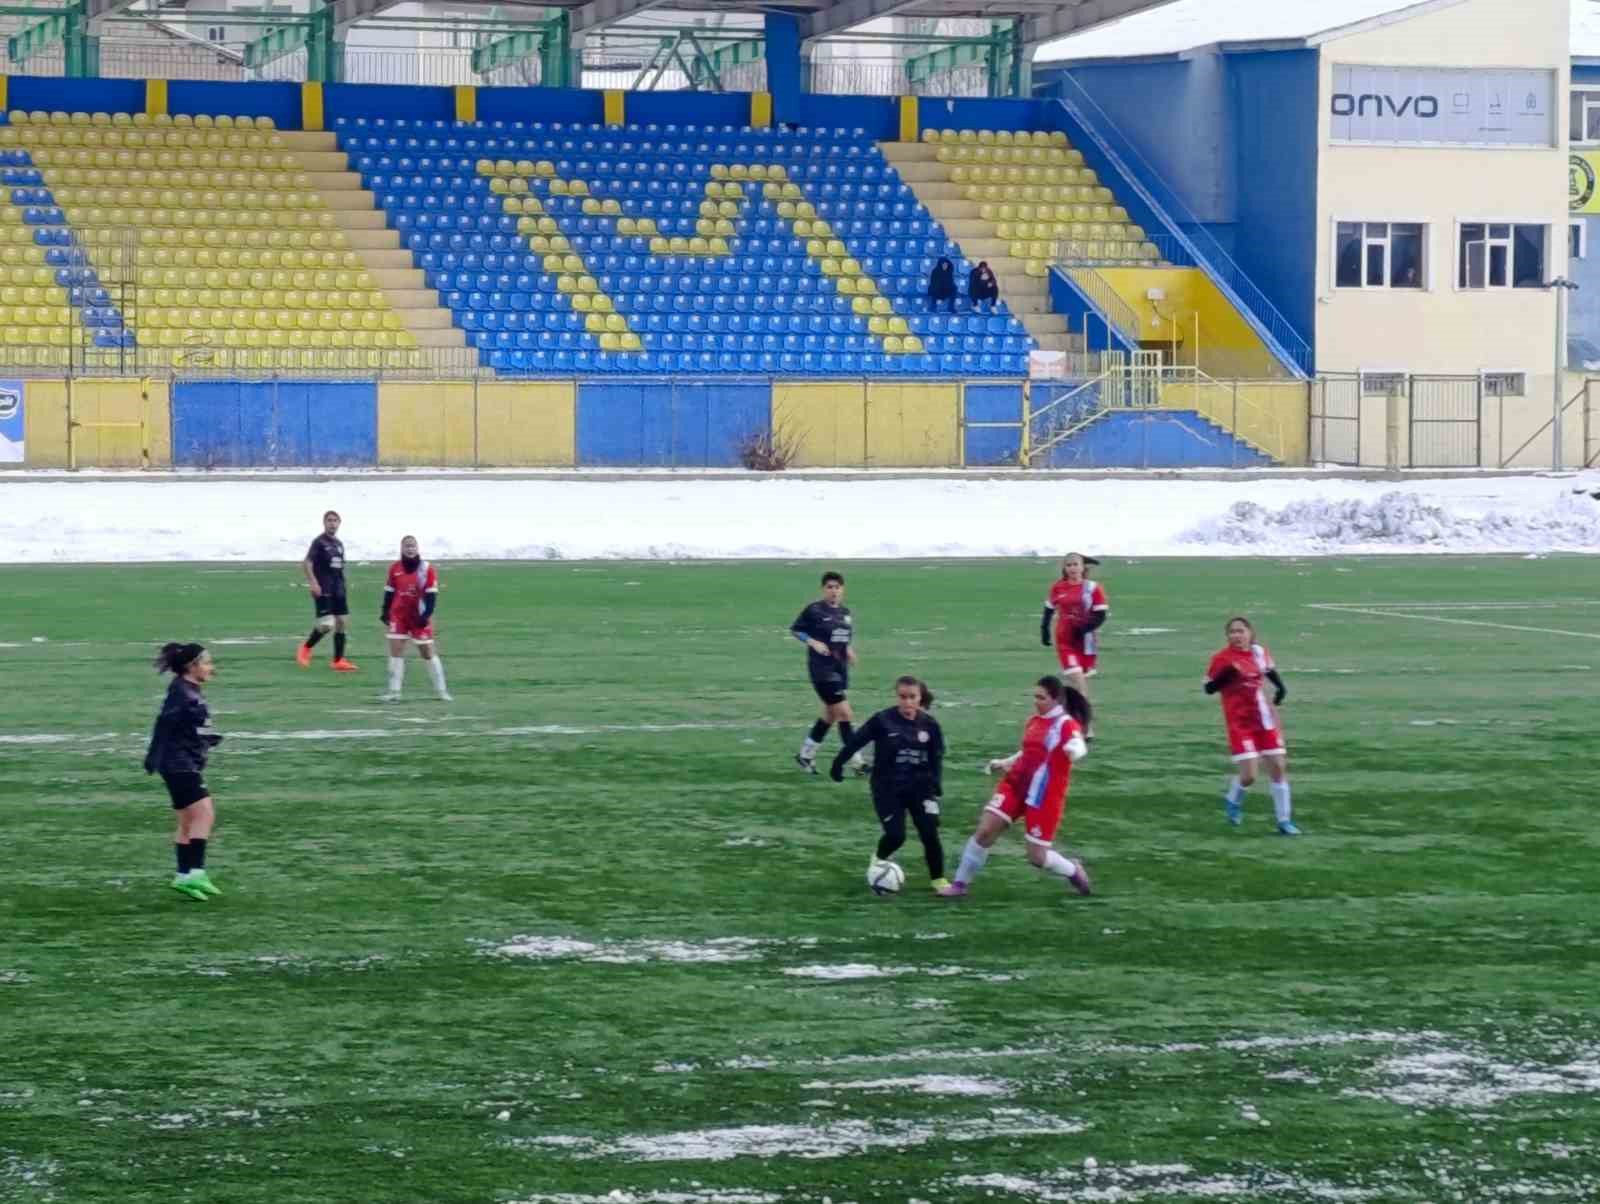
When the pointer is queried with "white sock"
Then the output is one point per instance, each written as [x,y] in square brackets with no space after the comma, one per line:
[1061,867]
[808,749]
[436,671]
[397,673]
[972,859]
[1235,791]
[1280,800]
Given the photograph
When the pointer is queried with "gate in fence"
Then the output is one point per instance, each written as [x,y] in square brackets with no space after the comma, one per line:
[1446,422]
[1336,419]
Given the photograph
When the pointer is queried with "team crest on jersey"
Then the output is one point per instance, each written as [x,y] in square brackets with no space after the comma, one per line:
[1035,831]
[922,737]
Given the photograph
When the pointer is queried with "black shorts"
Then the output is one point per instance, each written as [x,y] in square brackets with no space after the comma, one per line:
[890,803]
[337,605]
[831,687]
[186,789]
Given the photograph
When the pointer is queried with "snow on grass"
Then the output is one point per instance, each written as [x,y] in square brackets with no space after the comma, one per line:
[919,1084]
[1469,1079]
[836,1139]
[628,953]
[1097,1184]
[848,972]
[621,1195]
[482,516]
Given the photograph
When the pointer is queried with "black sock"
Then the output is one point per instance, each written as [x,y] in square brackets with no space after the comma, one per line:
[338,645]
[316,634]
[819,731]
[197,854]
[846,730]
[183,857]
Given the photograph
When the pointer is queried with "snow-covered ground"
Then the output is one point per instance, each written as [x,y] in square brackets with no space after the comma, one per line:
[159,518]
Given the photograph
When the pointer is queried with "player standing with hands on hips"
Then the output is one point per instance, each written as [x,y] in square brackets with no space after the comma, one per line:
[409,599]
[179,745]
[1236,673]
[324,570]
[907,773]
[827,629]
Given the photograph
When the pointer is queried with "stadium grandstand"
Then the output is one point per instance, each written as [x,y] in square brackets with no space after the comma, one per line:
[1172,197]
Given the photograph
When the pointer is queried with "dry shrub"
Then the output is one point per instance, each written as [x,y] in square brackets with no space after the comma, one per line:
[769,450]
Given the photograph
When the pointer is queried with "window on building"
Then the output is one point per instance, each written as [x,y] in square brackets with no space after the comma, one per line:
[1379,255]
[1505,384]
[1502,255]
[1382,384]
[1577,240]
[216,33]
[1585,125]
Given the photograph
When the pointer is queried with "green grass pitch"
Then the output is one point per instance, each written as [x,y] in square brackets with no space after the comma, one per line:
[588,931]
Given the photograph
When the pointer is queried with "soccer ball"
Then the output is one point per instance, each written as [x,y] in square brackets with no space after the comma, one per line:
[885,878]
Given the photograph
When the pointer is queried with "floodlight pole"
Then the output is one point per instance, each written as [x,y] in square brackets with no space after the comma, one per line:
[1561,286]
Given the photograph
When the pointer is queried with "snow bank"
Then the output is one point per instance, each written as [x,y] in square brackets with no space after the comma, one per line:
[166,517]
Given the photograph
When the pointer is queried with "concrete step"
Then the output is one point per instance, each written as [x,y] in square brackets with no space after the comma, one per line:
[335,181]
[373,239]
[916,172]
[410,298]
[1041,324]
[348,200]
[418,320]
[1058,342]
[359,219]
[309,140]
[963,228]
[908,152]
[928,190]
[328,160]
[948,209]
[391,259]
[985,248]
[392,280]
[436,337]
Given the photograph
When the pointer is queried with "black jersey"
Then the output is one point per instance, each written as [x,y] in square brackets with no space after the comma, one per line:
[907,754]
[830,625]
[182,737]
[326,555]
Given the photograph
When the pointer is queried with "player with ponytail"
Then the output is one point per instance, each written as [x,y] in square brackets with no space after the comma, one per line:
[179,746]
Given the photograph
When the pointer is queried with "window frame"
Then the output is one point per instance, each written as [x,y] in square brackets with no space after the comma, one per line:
[1424,285]
[1364,374]
[1510,243]
[1582,101]
[1579,226]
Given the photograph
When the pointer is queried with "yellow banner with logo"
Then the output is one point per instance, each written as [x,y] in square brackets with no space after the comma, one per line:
[1583,182]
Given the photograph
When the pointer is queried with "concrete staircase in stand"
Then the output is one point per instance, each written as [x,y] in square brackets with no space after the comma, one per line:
[1028,297]
[390,263]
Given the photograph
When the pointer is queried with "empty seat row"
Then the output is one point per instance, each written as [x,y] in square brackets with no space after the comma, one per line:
[201,121]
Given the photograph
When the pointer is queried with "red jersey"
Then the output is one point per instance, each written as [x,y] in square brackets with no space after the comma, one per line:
[1073,605]
[1043,769]
[406,588]
[1244,702]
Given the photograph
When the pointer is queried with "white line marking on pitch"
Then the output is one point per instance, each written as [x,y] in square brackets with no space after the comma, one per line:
[1400,614]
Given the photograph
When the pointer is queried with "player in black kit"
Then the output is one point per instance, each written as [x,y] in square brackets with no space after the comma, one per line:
[324,570]
[180,742]
[826,629]
[907,773]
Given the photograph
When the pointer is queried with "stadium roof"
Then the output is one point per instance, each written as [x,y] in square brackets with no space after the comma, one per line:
[1191,24]
[1043,19]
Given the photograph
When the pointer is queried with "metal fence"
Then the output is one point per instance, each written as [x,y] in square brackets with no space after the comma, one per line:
[1446,420]
[1335,434]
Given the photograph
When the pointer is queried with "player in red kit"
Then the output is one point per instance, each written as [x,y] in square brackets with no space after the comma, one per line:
[1078,607]
[409,599]
[1034,789]
[1254,733]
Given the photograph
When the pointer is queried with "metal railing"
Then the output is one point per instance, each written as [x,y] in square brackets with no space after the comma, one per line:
[1191,232]
[1113,310]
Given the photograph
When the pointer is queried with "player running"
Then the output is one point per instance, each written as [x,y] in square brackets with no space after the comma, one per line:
[1035,786]
[1079,608]
[180,742]
[324,570]
[907,773]
[827,628]
[409,600]
[1254,733]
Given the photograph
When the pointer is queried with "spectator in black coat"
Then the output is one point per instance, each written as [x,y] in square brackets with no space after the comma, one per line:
[942,285]
[982,287]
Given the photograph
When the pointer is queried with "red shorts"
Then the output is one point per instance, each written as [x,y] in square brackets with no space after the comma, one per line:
[417,632]
[1250,740]
[1042,821]
[1071,659]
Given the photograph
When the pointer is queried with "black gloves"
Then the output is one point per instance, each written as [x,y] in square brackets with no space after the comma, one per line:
[1221,679]
[1282,690]
[1044,627]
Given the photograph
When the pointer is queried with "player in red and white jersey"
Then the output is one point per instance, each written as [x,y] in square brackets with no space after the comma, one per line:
[1034,788]
[409,599]
[1078,608]
[1254,733]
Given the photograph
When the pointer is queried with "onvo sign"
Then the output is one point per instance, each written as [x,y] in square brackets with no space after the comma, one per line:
[1439,106]
[1376,104]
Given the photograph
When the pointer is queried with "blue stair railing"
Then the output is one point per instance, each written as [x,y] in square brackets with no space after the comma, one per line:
[1192,241]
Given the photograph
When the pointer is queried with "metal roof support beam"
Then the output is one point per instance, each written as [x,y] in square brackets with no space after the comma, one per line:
[347,12]
[597,14]
[845,14]
[1040,28]
[98,10]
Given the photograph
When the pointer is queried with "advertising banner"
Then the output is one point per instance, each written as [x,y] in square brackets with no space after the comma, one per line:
[1443,106]
[11,422]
